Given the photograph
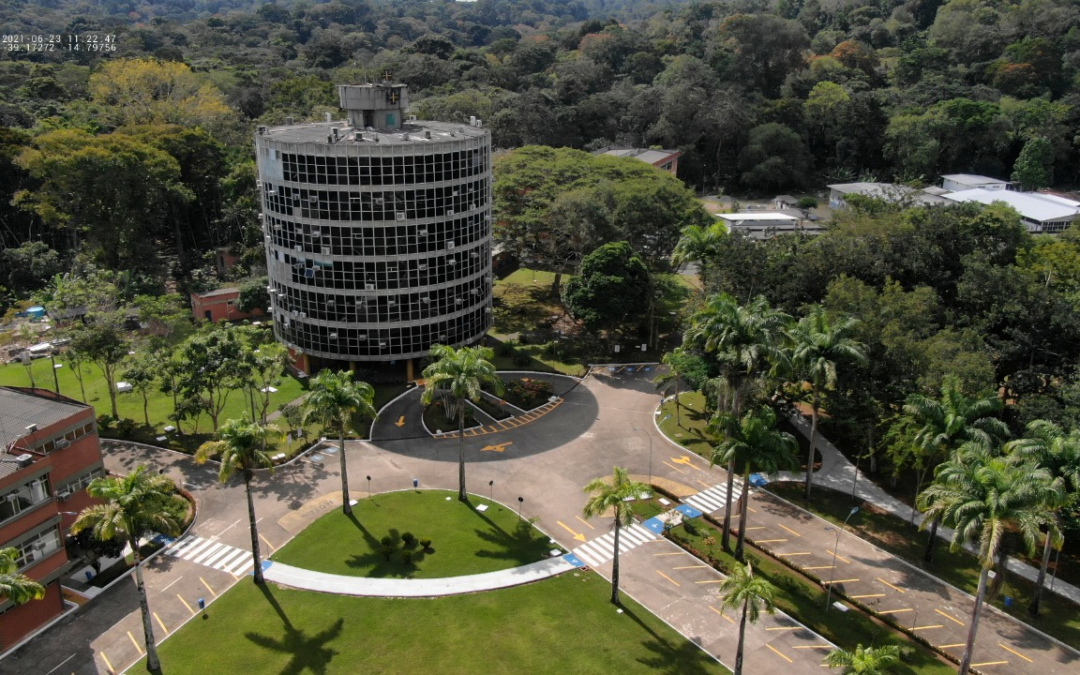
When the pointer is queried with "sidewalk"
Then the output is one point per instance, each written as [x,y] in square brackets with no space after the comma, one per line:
[839,474]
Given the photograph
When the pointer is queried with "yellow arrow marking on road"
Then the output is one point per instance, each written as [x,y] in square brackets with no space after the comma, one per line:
[400,422]
[577,535]
[685,459]
[497,448]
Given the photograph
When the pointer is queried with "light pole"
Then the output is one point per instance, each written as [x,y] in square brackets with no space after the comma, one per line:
[491,490]
[832,572]
[520,500]
[56,380]
[369,485]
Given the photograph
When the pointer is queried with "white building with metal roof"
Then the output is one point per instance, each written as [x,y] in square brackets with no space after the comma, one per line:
[1040,213]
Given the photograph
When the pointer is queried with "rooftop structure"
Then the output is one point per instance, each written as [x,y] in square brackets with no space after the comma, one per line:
[766,224]
[667,160]
[887,191]
[1040,212]
[378,231]
[954,182]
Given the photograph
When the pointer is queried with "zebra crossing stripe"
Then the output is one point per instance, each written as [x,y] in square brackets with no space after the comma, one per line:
[212,554]
[600,550]
[206,554]
[713,499]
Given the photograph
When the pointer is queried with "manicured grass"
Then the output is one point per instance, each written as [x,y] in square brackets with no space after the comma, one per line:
[686,426]
[464,541]
[1058,617]
[523,301]
[557,626]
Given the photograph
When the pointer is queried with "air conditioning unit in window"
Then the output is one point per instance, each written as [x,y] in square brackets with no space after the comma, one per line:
[449,212]
[61,443]
[63,496]
[332,336]
[326,250]
[422,232]
[449,244]
[378,201]
[369,287]
[298,247]
[425,300]
[400,215]
[391,303]
[303,315]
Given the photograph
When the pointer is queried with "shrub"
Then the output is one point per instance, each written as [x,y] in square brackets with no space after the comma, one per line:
[125,427]
[105,422]
[406,557]
[425,543]
[387,541]
[408,538]
[387,550]
[690,526]
[521,359]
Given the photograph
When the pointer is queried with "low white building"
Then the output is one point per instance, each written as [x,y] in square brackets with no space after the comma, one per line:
[889,192]
[956,182]
[1040,212]
[764,225]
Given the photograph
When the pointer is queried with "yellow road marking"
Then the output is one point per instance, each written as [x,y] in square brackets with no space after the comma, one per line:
[703,483]
[958,644]
[667,577]
[752,510]
[673,466]
[936,625]
[721,614]
[868,595]
[990,663]
[785,628]
[136,643]
[895,611]
[781,555]
[107,664]
[823,567]
[585,522]
[769,541]
[577,535]
[839,581]
[790,530]
[895,588]
[690,567]
[779,653]
[185,603]
[710,581]
[759,527]
[1013,651]
[160,623]
[267,542]
[838,557]
[949,616]
[208,586]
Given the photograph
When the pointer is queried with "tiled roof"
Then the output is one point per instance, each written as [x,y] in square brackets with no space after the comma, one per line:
[21,407]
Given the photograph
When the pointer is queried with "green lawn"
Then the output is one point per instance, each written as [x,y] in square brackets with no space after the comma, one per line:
[1058,617]
[464,541]
[686,426]
[561,625]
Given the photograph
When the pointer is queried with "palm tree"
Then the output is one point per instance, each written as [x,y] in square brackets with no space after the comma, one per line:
[134,505]
[744,340]
[610,493]
[18,588]
[864,660]
[242,445]
[454,376]
[752,594]
[756,439]
[818,345]
[1048,445]
[982,496]
[940,426]
[339,404]
[698,244]
[672,377]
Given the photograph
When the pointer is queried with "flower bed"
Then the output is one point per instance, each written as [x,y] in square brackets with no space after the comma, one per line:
[528,393]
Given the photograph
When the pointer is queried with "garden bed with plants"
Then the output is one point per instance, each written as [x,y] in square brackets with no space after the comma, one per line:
[436,421]
[527,393]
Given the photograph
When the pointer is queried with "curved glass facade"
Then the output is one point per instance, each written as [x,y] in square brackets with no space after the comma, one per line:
[377,246]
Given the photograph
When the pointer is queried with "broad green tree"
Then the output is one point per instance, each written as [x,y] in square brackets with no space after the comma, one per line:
[103,342]
[132,507]
[243,446]
[750,595]
[761,446]
[818,345]
[613,287]
[141,374]
[982,496]
[339,404]
[454,376]
[612,494]
[215,363]
[864,660]
[16,587]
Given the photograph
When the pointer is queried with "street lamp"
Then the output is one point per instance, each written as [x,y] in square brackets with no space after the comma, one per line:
[369,485]
[491,490]
[832,572]
[55,366]
[520,500]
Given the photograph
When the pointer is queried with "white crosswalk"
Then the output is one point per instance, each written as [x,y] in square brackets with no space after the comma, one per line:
[713,499]
[219,556]
[602,549]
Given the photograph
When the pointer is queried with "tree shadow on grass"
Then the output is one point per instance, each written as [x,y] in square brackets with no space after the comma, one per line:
[685,659]
[308,653]
[523,545]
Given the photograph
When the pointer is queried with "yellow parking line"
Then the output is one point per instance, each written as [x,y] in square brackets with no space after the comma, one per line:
[208,586]
[1013,651]
[990,663]
[690,567]
[759,527]
[769,541]
[189,609]
[667,577]
[107,664]
[781,555]
[868,595]
[779,653]
[790,530]
[839,581]
[838,557]
[730,620]
[785,628]
[751,510]
[161,623]
[267,542]
[895,588]
[585,522]
[936,625]
[672,466]
[822,567]
[958,644]
[895,611]
[136,643]
[949,616]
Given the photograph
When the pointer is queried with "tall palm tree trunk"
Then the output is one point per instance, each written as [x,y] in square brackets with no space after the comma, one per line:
[815,402]
[726,538]
[931,542]
[742,638]
[346,507]
[1033,608]
[153,664]
[744,502]
[254,529]
[461,454]
[615,566]
[980,594]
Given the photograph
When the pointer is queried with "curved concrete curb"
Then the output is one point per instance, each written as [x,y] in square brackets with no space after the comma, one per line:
[296,577]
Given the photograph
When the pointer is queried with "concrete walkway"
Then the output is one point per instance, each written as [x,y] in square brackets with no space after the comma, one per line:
[296,577]
[837,473]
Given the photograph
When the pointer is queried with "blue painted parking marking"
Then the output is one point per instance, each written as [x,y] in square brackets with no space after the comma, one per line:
[654,525]
[758,480]
[573,560]
[688,511]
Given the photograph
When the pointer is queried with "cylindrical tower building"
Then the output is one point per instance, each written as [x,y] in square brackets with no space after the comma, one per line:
[377,230]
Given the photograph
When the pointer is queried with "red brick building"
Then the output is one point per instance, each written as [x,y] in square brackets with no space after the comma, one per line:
[49,452]
[219,305]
